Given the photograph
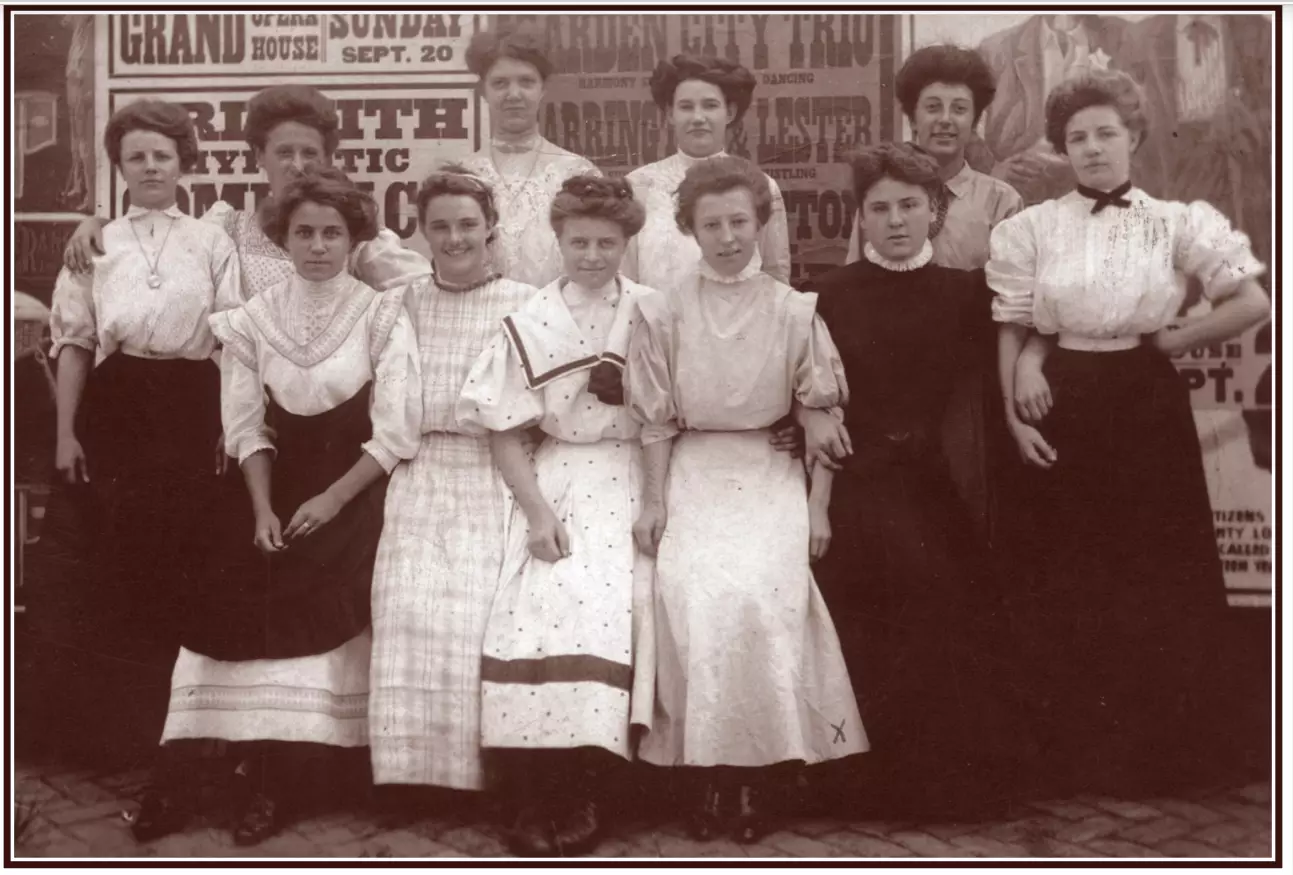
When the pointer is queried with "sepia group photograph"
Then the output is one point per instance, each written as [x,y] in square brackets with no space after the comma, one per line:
[732,435]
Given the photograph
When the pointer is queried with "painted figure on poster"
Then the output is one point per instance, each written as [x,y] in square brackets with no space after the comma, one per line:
[1029,60]
[79,191]
[1207,83]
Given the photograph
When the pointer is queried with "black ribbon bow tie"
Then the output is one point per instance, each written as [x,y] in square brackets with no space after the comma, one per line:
[1115,198]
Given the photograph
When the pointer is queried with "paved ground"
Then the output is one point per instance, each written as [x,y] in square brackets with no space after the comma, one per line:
[63,814]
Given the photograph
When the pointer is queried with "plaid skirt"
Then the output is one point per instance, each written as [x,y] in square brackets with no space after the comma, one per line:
[438,567]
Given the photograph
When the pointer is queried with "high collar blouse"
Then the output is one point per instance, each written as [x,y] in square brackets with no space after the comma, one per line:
[1061,269]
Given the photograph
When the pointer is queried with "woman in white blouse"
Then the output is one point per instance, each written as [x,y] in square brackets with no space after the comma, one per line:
[524,169]
[561,685]
[701,97]
[289,129]
[1126,582]
[321,398]
[138,394]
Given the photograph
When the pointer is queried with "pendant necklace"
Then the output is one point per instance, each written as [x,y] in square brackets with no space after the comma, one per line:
[154,278]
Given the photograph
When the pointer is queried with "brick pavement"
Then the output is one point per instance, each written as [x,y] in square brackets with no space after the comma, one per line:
[79,814]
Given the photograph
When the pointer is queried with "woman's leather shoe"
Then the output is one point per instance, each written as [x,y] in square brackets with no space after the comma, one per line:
[706,822]
[261,820]
[532,835]
[581,830]
[750,825]
[159,815]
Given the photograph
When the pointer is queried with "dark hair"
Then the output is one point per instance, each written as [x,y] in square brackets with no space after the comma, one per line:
[327,187]
[597,197]
[523,42]
[455,179]
[718,176]
[1112,88]
[904,162]
[168,119]
[736,82]
[949,64]
[302,104]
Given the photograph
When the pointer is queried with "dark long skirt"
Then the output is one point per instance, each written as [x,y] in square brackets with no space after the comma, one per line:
[910,587]
[149,428]
[1125,596]
[107,584]
[315,595]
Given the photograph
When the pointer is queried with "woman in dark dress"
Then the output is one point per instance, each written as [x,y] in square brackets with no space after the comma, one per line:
[909,581]
[1126,594]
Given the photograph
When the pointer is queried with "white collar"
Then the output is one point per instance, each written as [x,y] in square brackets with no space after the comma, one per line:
[578,291]
[754,268]
[324,288]
[960,182]
[534,142]
[917,261]
[690,161]
[173,211]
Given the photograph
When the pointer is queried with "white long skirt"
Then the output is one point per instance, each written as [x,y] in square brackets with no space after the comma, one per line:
[749,671]
[437,571]
[321,698]
[568,650]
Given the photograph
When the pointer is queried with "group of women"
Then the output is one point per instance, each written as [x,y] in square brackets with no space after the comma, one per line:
[531,510]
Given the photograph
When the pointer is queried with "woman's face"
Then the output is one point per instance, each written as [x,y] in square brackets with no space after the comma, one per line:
[896,217]
[726,227]
[456,229]
[150,165]
[290,148]
[318,241]
[591,250]
[514,90]
[1099,146]
[944,120]
[700,116]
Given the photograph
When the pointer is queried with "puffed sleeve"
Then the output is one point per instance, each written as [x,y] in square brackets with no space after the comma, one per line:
[819,373]
[1012,269]
[384,262]
[1009,203]
[242,393]
[630,265]
[495,396]
[71,316]
[226,274]
[396,410]
[1210,248]
[223,214]
[584,167]
[648,381]
[774,240]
